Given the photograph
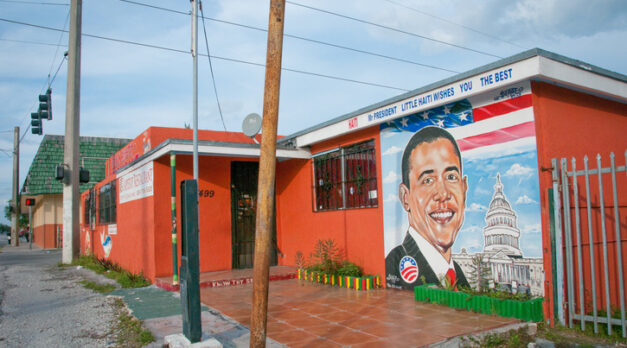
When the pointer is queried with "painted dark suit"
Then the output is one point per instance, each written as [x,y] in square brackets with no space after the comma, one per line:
[410,248]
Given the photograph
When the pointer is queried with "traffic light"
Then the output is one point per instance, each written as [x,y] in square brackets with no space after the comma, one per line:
[45,105]
[43,113]
[30,202]
[83,176]
[36,125]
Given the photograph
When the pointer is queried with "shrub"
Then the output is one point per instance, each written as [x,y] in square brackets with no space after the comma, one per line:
[327,258]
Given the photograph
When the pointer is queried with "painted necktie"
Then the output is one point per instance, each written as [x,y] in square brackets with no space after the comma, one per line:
[451,276]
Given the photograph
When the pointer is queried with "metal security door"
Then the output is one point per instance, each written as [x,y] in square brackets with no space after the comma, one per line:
[243,212]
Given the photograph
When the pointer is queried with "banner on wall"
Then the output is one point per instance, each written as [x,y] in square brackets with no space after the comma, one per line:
[461,194]
[137,184]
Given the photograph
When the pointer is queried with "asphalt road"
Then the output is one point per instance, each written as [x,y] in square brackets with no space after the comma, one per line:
[42,305]
[34,257]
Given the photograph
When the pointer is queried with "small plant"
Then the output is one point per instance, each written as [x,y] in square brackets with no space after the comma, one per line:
[300,260]
[101,288]
[129,329]
[326,256]
[349,269]
[112,270]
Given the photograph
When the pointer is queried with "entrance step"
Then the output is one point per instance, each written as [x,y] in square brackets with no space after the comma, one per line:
[233,277]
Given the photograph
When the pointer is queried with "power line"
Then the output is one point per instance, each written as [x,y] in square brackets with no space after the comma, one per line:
[213,79]
[456,24]
[33,42]
[393,29]
[35,3]
[57,49]
[213,56]
[298,38]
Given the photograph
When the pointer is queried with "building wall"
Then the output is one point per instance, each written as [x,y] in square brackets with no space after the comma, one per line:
[47,218]
[214,211]
[359,232]
[131,237]
[572,124]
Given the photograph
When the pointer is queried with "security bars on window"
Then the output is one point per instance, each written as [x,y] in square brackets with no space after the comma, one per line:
[346,178]
[107,200]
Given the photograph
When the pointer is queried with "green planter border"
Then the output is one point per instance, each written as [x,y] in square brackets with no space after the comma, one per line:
[357,283]
[530,310]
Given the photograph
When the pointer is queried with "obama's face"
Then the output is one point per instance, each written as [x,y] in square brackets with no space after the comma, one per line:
[436,196]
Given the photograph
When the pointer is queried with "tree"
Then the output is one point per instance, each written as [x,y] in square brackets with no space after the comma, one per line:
[22,222]
[480,273]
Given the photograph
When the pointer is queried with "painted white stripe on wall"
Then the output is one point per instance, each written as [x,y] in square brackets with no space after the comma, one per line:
[492,124]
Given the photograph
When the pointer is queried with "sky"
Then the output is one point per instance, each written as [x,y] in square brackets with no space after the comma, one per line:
[126,88]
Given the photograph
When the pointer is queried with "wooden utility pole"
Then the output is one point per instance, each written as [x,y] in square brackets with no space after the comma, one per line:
[15,201]
[267,170]
[71,194]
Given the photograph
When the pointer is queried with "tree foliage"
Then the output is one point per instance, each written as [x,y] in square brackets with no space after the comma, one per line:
[23,218]
[480,274]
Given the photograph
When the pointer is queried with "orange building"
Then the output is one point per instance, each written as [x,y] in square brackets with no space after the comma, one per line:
[345,180]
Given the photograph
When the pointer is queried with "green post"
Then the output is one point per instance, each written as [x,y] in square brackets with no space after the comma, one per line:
[175,272]
[190,261]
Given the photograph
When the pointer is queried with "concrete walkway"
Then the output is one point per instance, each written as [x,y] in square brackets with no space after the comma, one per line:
[305,314]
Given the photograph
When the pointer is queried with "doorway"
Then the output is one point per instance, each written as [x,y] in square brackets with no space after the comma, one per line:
[244,177]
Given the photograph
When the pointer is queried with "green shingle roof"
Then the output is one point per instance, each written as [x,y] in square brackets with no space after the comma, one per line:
[94,152]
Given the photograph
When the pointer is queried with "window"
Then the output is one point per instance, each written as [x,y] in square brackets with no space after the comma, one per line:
[107,200]
[346,178]
[90,209]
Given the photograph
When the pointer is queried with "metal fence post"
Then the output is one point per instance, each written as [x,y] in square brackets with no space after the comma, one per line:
[605,262]
[619,253]
[579,257]
[559,257]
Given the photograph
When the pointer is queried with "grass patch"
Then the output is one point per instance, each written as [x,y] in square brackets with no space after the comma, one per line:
[129,329]
[112,270]
[101,288]
[565,337]
[510,339]
[562,337]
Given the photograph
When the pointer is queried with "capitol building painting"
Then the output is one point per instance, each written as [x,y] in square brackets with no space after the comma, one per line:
[501,251]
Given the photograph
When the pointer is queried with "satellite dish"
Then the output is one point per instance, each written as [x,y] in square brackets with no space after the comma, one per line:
[251,125]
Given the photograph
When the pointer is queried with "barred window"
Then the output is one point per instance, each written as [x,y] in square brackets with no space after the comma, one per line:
[346,178]
[107,201]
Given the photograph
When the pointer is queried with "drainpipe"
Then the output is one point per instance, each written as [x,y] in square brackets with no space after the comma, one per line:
[175,275]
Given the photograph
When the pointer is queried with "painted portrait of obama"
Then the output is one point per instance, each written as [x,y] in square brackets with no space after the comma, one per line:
[433,193]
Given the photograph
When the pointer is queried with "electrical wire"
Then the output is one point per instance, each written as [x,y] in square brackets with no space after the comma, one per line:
[394,29]
[32,42]
[298,38]
[67,18]
[213,79]
[213,56]
[453,23]
[35,3]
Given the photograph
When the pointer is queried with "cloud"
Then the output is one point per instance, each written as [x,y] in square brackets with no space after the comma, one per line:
[482,191]
[476,207]
[535,228]
[524,199]
[391,178]
[391,198]
[391,151]
[518,170]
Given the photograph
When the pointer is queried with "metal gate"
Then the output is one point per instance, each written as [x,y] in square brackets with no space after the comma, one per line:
[589,236]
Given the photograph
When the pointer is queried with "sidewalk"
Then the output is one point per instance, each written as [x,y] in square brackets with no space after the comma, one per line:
[161,312]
